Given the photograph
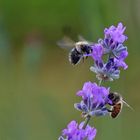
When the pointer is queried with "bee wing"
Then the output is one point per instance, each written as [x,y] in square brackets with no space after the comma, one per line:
[81,38]
[66,43]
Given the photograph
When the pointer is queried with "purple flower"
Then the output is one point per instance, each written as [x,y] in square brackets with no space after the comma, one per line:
[97,51]
[120,63]
[113,42]
[120,60]
[112,45]
[94,100]
[118,50]
[76,132]
[93,90]
[115,34]
[123,55]
[107,71]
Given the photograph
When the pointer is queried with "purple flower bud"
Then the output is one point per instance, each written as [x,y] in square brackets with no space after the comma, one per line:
[118,50]
[76,132]
[123,55]
[121,63]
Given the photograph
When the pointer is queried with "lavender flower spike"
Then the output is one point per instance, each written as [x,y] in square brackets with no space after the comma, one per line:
[94,99]
[113,41]
[76,132]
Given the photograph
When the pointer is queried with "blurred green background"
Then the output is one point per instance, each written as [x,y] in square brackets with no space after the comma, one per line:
[37,83]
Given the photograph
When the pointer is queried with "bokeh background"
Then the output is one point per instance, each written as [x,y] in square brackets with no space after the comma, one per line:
[37,83]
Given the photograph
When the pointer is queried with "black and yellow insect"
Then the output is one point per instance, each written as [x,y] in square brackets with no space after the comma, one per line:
[80,50]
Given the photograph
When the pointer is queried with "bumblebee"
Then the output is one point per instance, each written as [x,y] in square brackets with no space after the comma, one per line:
[81,49]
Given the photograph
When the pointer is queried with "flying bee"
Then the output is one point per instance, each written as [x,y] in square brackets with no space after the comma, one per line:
[81,49]
[117,104]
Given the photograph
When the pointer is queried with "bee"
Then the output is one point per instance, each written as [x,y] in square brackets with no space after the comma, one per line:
[81,49]
[117,104]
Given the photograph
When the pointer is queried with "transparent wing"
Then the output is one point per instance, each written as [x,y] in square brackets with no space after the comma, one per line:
[81,38]
[66,43]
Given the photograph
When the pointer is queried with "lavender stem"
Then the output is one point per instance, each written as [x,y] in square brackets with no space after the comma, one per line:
[100,81]
[86,121]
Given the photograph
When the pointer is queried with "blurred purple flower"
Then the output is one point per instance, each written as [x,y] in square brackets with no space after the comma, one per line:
[94,100]
[76,132]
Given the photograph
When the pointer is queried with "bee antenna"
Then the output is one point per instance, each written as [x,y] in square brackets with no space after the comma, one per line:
[127,105]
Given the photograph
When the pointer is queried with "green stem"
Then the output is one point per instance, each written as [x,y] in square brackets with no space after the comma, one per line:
[86,121]
[100,81]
